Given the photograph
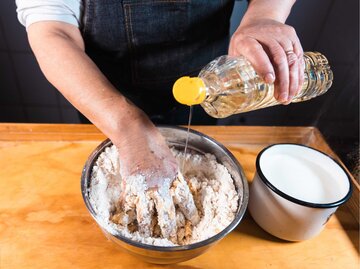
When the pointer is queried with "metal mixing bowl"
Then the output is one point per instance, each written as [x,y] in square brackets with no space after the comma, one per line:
[200,143]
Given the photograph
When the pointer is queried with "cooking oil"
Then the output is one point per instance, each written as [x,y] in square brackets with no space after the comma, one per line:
[229,85]
[187,140]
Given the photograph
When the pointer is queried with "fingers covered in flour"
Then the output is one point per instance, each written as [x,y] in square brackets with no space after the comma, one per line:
[144,213]
[138,204]
[166,212]
[184,200]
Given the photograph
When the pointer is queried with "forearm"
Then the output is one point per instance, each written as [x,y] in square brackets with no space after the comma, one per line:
[277,10]
[59,50]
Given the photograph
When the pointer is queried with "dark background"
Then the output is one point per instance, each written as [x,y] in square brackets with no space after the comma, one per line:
[327,26]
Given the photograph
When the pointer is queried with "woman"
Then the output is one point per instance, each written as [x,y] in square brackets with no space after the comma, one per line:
[109,57]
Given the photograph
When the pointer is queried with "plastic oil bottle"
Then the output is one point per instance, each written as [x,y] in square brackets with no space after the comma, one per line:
[229,85]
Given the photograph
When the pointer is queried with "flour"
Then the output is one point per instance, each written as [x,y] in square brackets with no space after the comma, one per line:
[193,208]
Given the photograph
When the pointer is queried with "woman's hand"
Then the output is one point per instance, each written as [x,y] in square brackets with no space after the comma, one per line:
[143,150]
[147,169]
[275,51]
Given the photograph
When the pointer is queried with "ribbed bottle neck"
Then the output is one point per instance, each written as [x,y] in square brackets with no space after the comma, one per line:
[318,76]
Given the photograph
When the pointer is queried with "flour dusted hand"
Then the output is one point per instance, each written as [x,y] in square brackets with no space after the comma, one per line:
[148,169]
[184,199]
[143,151]
[152,211]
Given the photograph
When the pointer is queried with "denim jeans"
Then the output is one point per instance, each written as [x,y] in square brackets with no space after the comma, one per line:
[143,46]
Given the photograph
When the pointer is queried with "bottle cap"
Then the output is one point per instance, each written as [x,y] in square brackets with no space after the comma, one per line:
[189,91]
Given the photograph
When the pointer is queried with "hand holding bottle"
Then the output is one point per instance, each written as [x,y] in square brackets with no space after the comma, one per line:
[274,50]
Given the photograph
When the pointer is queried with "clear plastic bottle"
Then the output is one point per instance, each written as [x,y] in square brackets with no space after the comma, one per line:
[229,85]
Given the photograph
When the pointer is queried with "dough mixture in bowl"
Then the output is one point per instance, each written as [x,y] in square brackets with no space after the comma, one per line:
[204,197]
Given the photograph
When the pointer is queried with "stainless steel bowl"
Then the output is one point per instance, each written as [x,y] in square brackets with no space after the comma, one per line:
[200,143]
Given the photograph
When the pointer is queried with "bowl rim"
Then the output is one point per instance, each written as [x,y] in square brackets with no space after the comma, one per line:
[293,199]
[86,173]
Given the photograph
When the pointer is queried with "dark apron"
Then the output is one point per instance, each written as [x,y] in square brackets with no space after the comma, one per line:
[143,46]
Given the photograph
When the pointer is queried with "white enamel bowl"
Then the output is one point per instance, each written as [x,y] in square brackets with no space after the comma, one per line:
[295,191]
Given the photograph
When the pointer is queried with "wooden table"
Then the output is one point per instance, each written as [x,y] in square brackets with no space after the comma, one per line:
[44,222]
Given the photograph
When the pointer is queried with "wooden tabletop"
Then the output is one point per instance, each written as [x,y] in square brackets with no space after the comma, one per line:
[44,222]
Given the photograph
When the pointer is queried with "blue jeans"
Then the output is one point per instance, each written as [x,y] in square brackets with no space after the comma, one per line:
[143,46]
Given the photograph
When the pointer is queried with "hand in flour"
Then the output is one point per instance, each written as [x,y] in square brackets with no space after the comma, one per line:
[143,151]
[148,169]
